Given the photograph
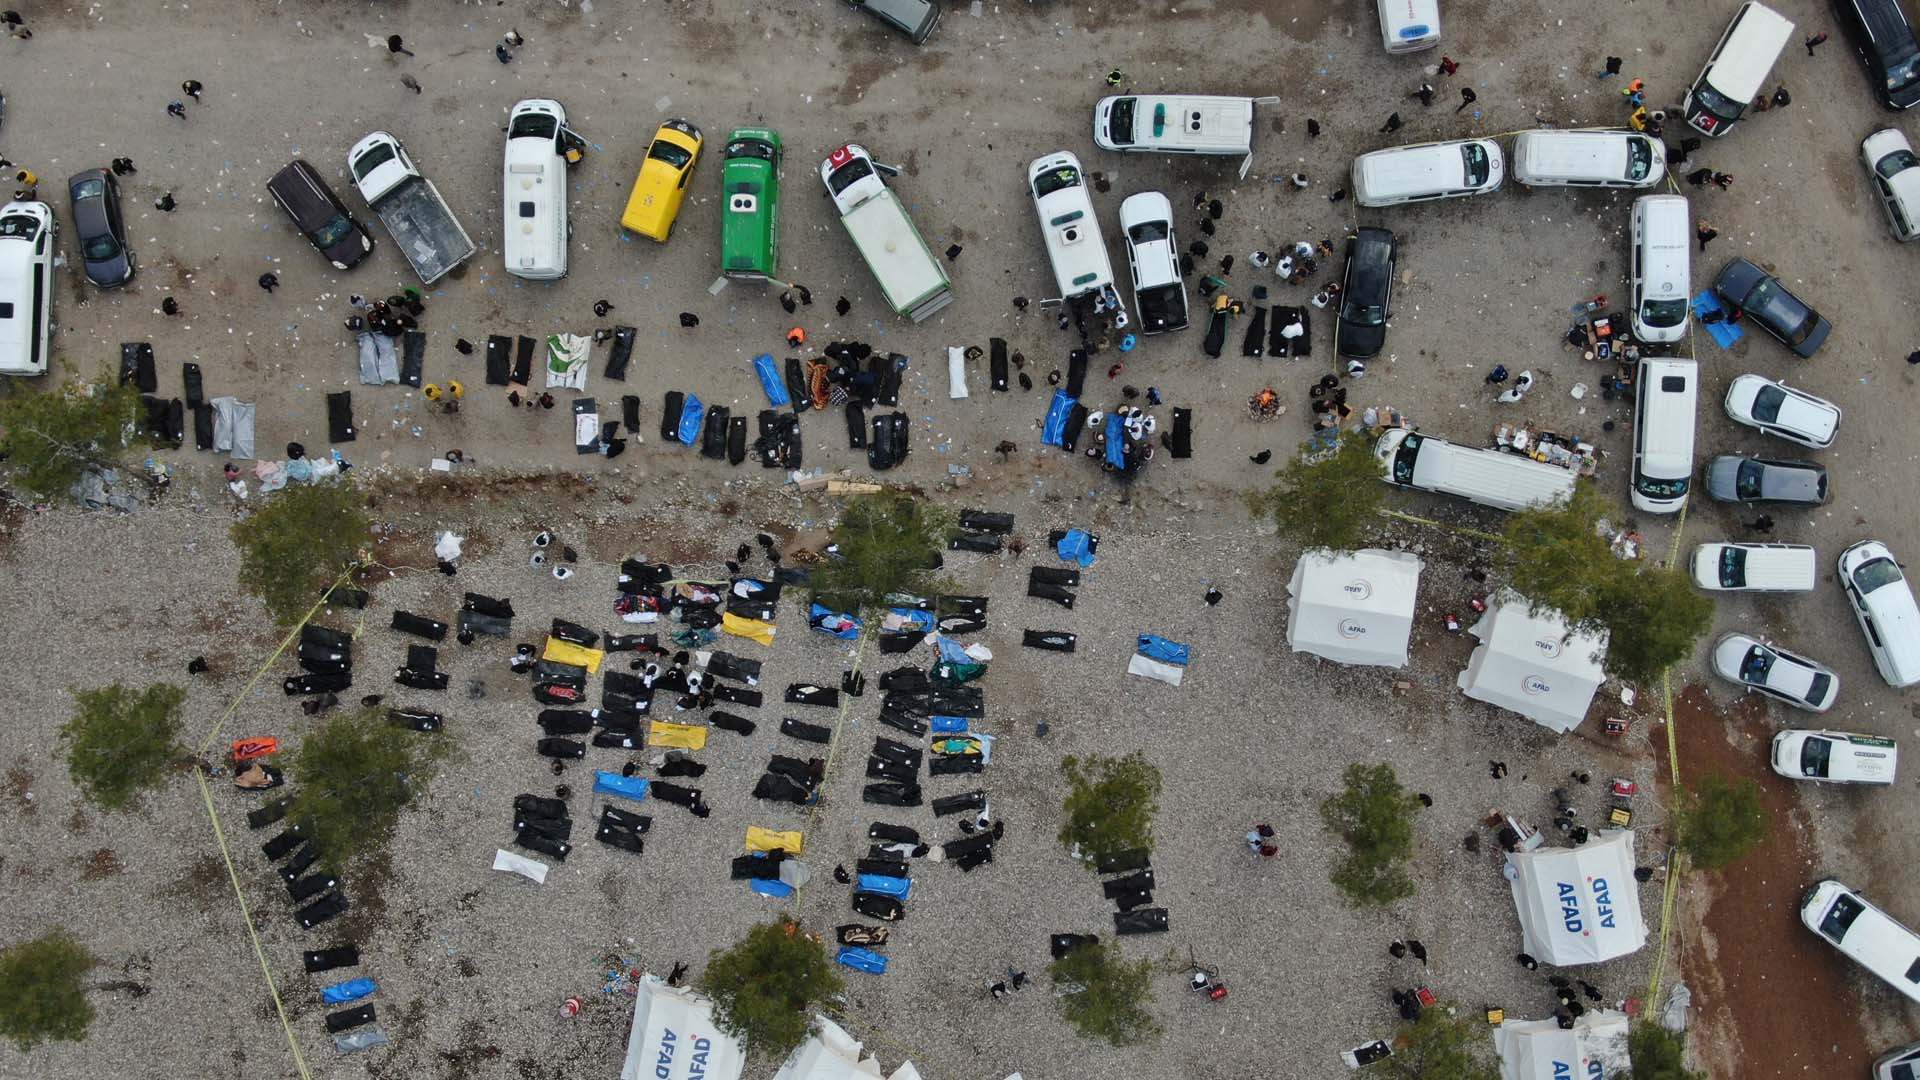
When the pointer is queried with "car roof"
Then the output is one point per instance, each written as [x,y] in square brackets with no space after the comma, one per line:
[1796,480]
[1803,412]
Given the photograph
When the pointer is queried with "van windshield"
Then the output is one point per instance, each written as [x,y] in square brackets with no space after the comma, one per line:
[676,156]
[1713,101]
[1660,489]
[1903,74]
[750,148]
[377,155]
[1876,573]
[1815,754]
[1840,916]
[1478,166]
[20,226]
[1405,458]
[1639,159]
[849,174]
[1663,313]
[1060,179]
[1120,121]
[534,126]
[1733,568]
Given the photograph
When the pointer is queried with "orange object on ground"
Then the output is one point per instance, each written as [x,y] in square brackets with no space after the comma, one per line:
[797,337]
[248,749]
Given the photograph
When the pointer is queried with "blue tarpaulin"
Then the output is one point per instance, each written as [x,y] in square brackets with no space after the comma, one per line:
[897,887]
[1155,647]
[1723,332]
[690,417]
[828,621]
[863,960]
[1116,441]
[916,619]
[1076,546]
[952,651]
[626,787]
[770,380]
[1054,431]
[351,990]
[947,725]
[779,890]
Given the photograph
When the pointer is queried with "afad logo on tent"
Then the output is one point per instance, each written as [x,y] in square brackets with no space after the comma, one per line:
[1594,1070]
[669,1044]
[1570,906]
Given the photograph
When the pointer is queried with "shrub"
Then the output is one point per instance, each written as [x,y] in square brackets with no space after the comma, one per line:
[1326,499]
[765,987]
[1103,996]
[1110,804]
[119,741]
[1719,820]
[297,543]
[357,773]
[1658,1054]
[885,543]
[1441,1045]
[53,436]
[1374,815]
[41,997]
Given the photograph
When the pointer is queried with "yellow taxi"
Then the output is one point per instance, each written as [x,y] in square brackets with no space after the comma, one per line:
[662,184]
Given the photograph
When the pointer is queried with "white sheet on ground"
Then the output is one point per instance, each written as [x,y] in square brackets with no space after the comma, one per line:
[1579,905]
[674,1037]
[567,356]
[1531,664]
[379,360]
[956,373]
[1353,606]
[833,1054]
[233,427]
[535,872]
[1596,1046]
[1171,674]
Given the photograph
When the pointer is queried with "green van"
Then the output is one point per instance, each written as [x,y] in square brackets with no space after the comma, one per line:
[750,218]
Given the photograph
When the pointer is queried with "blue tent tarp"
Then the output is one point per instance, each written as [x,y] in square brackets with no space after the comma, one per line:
[779,890]
[1116,441]
[947,725]
[1076,546]
[1155,647]
[691,416]
[351,990]
[863,960]
[770,380]
[1054,431]
[897,887]
[828,621]
[626,787]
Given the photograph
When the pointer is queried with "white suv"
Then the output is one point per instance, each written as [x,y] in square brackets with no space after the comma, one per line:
[1883,602]
[1896,180]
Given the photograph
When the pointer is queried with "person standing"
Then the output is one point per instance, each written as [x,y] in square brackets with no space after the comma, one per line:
[1723,181]
[395,45]
[1425,94]
[1782,99]
[1762,524]
[1913,358]
[169,306]
[165,203]
[1448,66]
[1816,41]
[269,281]
[192,89]
[1705,233]
[1467,97]
[177,109]
[1392,124]
[123,167]
[1612,68]
[1313,128]
[1699,177]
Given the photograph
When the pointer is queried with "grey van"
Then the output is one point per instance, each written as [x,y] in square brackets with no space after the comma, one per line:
[914,18]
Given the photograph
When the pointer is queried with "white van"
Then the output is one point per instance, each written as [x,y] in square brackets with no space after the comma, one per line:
[1662,267]
[1176,124]
[1663,433]
[1496,478]
[1435,170]
[1883,602]
[1409,25]
[1867,935]
[1730,567]
[1588,157]
[27,231]
[1737,69]
[1835,757]
[535,232]
[1075,247]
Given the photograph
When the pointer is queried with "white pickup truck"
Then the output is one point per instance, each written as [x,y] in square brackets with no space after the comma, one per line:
[915,283]
[415,215]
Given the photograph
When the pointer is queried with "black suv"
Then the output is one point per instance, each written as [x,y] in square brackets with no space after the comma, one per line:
[1880,30]
[1366,295]
[321,217]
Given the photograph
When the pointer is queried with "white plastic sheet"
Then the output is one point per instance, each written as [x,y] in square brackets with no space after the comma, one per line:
[535,872]
[956,372]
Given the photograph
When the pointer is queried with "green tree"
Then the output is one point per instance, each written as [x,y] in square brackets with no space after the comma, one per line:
[1441,1045]
[1374,815]
[766,986]
[1720,820]
[41,996]
[297,543]
[1110,804]
[357,773]
[1658,1054]
[884,543]
[1557,558]
[50,437]
[1104,996]
[1325,499]
[119,741]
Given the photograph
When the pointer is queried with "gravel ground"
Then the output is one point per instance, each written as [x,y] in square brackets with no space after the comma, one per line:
[91,85]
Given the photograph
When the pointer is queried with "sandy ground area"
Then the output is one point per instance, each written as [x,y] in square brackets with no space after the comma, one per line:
[1257,734]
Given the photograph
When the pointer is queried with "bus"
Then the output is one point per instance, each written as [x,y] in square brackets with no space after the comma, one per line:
[750,220]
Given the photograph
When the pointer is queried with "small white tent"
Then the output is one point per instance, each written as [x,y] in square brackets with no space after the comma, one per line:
[1529,663]
[674,1037]
[832,1054]
[1595,1048]
[1579,905]
[1355,607]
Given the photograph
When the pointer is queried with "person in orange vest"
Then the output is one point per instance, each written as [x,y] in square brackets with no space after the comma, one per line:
[796,337]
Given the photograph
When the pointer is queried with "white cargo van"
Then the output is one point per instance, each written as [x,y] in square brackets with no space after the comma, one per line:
[1662,246]
[1737,69]
[27,230]
[535,231]
[1867,935]
[1496,478]
[1588,157]
[1176,124]
[1663,422]
[1436,170]
[1883,601]
[1835,757]
[1409,25]
[1730,567]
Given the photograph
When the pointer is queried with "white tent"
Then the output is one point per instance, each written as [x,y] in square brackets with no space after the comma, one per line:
[832,1054]
[1529,664]
[1579,905]
[674,1037]
[1355,607]
[1595,1047]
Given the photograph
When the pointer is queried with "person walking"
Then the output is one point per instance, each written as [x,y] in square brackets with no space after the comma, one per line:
[1706,233]
[169,306]
[500,52]
[513,40]
[1782,99]
[395,45]
[1762,524]
[177,109]
[192,89]
[1816,41]
[1612,68]
[1699,177]
[27,178]
[123,167]
[1687,147]
[1313,128]
[165,203]
[1497,376]
[1448,65]
[1425,94]
[1392,124]
[601,307]
[1418,950]
[269,281]
[1913,358]
[1116,77]
[1723,181]
[1467,97]
[455,390]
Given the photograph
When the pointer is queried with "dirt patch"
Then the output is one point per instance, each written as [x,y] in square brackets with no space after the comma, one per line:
[19,788]
[861,75]
[1751,941]
[202,885]
[101,865]
[366,888]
